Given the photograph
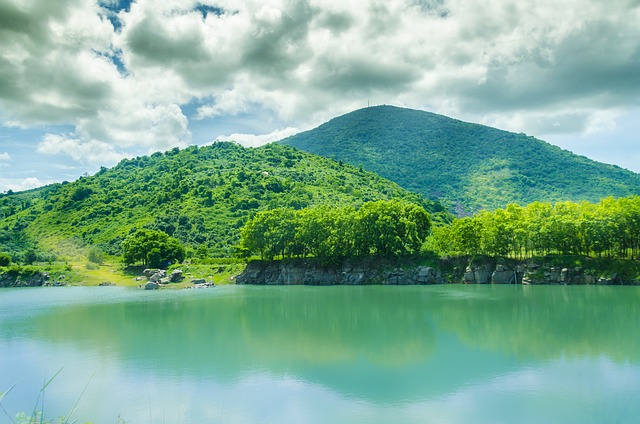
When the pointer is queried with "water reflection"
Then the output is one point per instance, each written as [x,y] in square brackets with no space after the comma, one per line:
[402,349]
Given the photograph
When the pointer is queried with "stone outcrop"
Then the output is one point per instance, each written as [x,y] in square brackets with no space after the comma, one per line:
[458,270]
[503,274]
[312,272]
[37,279]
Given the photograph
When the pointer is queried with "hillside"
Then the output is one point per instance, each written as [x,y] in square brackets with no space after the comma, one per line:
[202,196]
[469,166]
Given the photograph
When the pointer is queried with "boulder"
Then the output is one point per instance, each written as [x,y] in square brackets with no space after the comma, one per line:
[158,275]
[198,281]
[151,285]
[176,276]
[149,272]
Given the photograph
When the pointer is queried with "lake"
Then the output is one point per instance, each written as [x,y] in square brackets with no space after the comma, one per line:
[375,354]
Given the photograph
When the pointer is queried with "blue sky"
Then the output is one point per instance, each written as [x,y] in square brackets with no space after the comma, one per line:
[86,83]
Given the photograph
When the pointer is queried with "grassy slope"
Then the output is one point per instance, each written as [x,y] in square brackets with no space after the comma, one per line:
[470,166]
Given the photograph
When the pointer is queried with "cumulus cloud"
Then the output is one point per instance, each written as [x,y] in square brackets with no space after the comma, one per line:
[5,156]
[121,76]
[82,151]
[255,140]
[16,185]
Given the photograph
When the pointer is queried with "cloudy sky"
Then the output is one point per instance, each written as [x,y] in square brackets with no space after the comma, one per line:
[84,83]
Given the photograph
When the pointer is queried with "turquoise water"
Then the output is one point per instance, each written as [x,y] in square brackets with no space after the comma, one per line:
[413,354]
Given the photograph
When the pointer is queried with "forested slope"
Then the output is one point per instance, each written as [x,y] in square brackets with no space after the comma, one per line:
[201,196]
[470,166]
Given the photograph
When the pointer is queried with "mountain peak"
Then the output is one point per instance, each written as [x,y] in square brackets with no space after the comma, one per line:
[470,166]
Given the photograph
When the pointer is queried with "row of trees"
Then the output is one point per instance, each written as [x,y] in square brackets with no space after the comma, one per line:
[384,228]
[610,228]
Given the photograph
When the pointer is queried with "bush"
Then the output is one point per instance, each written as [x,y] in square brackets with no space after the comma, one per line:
[5,260]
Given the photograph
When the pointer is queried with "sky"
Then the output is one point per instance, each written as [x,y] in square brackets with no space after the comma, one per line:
[85,83]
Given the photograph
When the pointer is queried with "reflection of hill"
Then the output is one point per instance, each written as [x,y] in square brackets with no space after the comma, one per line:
[382,344]
[544,322]
[224,334]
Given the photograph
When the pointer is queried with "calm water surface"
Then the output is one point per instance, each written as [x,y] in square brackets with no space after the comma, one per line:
[428,354]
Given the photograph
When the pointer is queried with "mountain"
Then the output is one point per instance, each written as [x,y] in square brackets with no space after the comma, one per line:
[469,166]
[200,195]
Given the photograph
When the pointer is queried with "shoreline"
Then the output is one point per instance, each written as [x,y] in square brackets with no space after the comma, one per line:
[550,270]
[458,270]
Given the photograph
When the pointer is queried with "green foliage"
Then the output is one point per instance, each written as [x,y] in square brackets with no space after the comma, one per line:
[5,259]
[30,257]
[152,248]
[201,196]
[95,255]
[469,166]
[609,228]
[384,228]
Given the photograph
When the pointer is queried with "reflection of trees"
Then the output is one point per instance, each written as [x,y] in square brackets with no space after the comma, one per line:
[547,322]
[275,329]
[338,325]
[376,343]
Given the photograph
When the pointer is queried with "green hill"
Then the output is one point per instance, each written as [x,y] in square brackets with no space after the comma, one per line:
[469,166]
[201,196]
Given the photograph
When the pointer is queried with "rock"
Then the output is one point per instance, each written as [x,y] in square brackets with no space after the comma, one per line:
[477,275]
[151,285]
[427,275]
[553,275]
[158,275]
[149,272]
[176,276]
[503,275]
[198,281]
[106,283]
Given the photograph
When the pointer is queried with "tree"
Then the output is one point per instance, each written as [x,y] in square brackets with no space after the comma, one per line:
[95,255]
[5,259]
[152,248]
[390,228]
[30,256]
[270,232]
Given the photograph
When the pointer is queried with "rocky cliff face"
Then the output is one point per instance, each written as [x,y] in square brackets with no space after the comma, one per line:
[312,272]
[459,270]
[14,279]
[504,271]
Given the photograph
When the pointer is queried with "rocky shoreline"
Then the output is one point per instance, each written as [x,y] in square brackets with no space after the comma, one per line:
[381,271]
[446,271]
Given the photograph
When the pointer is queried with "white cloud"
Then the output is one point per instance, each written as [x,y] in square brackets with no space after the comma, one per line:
[16,185]
[522,65]
[255,140]
[5,156]
[81,151]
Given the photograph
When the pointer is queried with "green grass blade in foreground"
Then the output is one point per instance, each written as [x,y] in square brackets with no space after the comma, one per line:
[2,395]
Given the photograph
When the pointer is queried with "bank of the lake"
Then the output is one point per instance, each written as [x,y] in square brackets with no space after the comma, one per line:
[415,270]
[213,272]
[468,270]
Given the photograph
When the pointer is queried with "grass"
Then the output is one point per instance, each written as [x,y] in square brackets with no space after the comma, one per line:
[37,416]
[80,272]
